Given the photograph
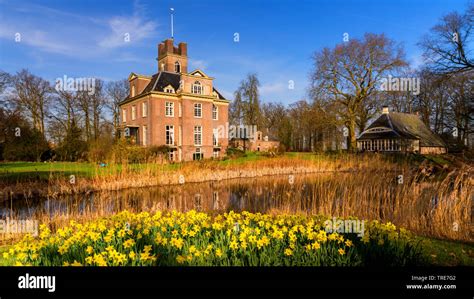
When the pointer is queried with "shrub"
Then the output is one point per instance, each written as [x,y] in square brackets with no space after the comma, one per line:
[233,152]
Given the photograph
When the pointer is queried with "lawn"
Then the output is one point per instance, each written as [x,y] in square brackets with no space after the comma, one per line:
[24,171]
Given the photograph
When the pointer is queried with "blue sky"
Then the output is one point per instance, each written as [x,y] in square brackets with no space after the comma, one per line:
[277,38]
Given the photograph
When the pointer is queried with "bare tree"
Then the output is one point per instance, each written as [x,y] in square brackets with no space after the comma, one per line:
[97,105]
[349,74]
[449,45]
[62,117]
[117,91]
[32,94]
[247,96]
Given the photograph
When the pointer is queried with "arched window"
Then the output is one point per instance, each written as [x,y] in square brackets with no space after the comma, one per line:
[177,67]
[197,88]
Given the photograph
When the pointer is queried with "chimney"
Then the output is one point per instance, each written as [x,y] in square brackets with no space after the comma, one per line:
[385,110]
[183,49]
[169,46]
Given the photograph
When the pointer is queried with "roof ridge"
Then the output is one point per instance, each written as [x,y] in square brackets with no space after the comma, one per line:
[391,125]
[156,81]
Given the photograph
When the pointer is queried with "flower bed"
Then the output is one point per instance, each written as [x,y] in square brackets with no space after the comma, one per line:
[230,239]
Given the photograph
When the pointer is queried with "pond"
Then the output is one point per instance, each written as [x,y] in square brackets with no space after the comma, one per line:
[375,195]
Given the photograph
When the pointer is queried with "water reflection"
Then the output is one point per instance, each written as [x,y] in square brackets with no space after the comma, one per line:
[328,193]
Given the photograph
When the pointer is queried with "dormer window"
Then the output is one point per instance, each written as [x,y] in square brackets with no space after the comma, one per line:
[197,88]
[177,67]
[169,89]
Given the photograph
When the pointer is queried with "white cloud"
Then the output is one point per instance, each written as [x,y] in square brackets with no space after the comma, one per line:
[135,27]
[416,61]
[52,31]
[198,64]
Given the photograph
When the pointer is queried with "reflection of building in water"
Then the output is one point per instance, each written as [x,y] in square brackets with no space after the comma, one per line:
[197,202]
[215,200]
[170,202]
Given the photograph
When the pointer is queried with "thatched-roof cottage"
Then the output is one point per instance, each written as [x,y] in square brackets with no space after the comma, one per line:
[400,132]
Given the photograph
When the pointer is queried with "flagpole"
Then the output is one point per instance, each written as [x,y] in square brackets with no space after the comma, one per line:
[172,33]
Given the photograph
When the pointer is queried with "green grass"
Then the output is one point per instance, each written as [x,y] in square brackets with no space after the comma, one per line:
[448,253]
[14,171]
[38,171]
[3,261]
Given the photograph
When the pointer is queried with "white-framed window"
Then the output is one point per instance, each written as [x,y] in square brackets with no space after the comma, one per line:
[171,155]
[177,67]
[215,112]
[169,109]
[169,135]
[134,112]
[215,154]
[145,134]
[124,115]
[197,110]
[215,138]
[198,155]
[169,89]
[144,109]
[197,135]
[197,88]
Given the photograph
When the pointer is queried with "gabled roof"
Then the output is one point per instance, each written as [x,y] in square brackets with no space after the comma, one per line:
[199,73]
[133,75]
[405,126]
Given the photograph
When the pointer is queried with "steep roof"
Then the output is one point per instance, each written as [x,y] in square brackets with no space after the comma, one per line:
[161,80]
[404,125]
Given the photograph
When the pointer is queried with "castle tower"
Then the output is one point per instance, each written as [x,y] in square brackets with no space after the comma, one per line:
[172,59]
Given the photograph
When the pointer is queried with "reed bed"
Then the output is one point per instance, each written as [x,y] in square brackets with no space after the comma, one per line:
[432,207]
[159,174]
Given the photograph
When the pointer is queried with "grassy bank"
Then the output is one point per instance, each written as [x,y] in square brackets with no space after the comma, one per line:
[55,178]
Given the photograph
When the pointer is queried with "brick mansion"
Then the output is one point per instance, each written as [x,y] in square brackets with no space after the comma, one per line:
[176,108]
